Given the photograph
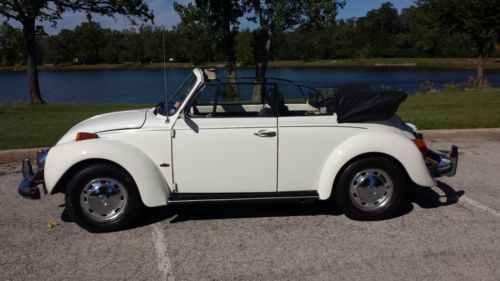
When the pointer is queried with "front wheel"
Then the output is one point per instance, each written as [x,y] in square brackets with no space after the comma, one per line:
[102,198]
[370,189]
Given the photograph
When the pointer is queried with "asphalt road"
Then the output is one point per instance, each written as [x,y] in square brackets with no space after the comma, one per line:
[452,233]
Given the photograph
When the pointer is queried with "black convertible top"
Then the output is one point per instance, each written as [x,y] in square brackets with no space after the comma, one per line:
[357,102]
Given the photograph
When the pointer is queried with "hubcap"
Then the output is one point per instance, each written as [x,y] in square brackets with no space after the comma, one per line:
[103,199]
[371,189]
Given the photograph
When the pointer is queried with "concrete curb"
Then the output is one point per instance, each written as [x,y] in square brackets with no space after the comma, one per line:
[17,155]
[484,134]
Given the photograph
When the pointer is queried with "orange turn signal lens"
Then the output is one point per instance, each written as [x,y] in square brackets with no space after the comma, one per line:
[420,143]
[85,136]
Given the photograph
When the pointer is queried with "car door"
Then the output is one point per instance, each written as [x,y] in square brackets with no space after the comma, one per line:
[307,137]
[224,148]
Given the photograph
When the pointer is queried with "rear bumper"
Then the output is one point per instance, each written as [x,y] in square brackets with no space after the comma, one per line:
[442,163]
[32,178]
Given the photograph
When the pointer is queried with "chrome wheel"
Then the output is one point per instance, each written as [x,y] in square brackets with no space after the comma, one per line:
[103,199]
[371,189]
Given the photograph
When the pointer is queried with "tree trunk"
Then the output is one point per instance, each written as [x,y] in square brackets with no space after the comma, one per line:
[232,92]
[31,60]
[480,70]
[261,67]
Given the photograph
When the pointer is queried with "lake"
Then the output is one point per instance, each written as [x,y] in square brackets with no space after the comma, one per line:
[146,86]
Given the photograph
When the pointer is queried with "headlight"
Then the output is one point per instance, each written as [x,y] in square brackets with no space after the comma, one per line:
[41,157]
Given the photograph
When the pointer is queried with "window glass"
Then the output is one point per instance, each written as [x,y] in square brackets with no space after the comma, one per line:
[233,100]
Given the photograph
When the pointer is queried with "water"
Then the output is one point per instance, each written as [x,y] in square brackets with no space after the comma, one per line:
[146,86]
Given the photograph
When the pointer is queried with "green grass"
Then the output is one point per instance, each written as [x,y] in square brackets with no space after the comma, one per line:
[23,126]
[446,63]
[475,109]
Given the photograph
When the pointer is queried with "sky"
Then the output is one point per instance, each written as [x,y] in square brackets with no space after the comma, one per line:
[166,16]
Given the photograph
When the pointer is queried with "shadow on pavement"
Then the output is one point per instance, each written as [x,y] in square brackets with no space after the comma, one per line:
[424,197]
[427,198]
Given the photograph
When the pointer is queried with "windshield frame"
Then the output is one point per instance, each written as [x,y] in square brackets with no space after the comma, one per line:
[181,94]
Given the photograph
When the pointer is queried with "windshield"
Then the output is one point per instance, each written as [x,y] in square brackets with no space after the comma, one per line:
[174,101]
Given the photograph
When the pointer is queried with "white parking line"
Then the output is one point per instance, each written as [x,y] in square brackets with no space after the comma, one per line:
[163,261]
[474,203]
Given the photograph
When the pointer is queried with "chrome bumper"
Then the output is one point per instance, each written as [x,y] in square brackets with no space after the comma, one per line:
[442,163]
[28,187]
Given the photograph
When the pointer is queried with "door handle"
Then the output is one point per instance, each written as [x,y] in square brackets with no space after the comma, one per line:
[265,134]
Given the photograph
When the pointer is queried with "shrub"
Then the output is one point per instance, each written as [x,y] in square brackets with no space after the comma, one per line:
[426,87]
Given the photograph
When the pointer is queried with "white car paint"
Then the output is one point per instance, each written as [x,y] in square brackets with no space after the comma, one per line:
[213,155]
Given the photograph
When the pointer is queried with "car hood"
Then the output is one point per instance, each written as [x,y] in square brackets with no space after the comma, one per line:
[121,120]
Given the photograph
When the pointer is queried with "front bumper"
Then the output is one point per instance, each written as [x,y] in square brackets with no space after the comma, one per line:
[442,163]
[33,177]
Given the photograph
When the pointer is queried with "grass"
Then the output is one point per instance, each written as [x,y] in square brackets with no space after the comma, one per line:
[23,126]
[475,109]
[447,63]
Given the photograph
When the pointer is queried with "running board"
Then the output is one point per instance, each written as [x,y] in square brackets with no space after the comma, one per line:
[187,198]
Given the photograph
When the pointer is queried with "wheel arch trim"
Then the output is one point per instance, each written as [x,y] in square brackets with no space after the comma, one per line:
[396,147]
[66,158]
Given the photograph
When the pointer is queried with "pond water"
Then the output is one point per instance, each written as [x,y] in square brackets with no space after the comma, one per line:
[146,86]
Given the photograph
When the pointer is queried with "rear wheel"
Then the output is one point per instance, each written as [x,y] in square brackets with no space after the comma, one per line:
[102,198]
[371,188]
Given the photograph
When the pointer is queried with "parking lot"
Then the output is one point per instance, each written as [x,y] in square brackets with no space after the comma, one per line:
[450,233]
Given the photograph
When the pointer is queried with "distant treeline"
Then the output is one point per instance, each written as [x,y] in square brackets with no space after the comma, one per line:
[383,32]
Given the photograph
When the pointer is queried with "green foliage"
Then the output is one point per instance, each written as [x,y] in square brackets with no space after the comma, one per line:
[426,87]
[11,42]
[382,33]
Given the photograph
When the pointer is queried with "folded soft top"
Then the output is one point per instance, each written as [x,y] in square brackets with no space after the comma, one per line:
[357,102]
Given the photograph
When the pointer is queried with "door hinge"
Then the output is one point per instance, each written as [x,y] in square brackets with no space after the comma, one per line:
[173,133]
[175,188]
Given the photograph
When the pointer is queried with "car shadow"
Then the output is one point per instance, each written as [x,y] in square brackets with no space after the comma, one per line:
[427,198]
[424,197]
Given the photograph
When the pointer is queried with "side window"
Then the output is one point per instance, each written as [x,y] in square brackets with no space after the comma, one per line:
[296,101]
[292,93]
[225,100]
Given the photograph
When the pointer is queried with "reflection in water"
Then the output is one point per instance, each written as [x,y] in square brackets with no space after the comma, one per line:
[146,86]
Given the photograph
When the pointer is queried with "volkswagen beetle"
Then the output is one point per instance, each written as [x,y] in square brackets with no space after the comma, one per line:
[221,140]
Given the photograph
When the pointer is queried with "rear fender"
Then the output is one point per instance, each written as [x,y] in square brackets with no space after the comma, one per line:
[151,184]
[396,146]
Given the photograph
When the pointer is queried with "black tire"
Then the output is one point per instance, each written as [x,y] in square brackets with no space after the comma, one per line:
[82,179]
[348,200]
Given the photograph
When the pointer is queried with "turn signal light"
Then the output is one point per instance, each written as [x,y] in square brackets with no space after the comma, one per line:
[420,143]
[85,136]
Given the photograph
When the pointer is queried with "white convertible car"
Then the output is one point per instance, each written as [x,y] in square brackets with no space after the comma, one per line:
[217,140]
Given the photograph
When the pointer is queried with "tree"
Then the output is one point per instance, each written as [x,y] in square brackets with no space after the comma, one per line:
[216,21]
[480,20]
[28,12]
[11,41]
[274,16]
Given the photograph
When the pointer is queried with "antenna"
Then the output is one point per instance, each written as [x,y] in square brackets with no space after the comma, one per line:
[164,67]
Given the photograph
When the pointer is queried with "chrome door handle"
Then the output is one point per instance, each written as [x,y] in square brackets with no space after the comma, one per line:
[265,134]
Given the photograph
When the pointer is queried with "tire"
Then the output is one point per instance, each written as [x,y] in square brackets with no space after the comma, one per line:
[371,188]
[102,198]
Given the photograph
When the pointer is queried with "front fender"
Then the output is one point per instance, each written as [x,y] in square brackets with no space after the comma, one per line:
[152,186]
[394,145]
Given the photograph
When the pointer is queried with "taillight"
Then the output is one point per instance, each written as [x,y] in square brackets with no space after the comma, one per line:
[85,136]
[420,143]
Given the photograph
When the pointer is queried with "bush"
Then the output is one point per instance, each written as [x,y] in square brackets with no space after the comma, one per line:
[473,83]
[426,87]
[453,87]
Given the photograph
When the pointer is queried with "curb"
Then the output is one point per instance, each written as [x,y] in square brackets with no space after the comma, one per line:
[17,155]
[483,133]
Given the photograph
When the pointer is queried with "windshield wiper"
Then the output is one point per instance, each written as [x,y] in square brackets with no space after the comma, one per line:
[157,106]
